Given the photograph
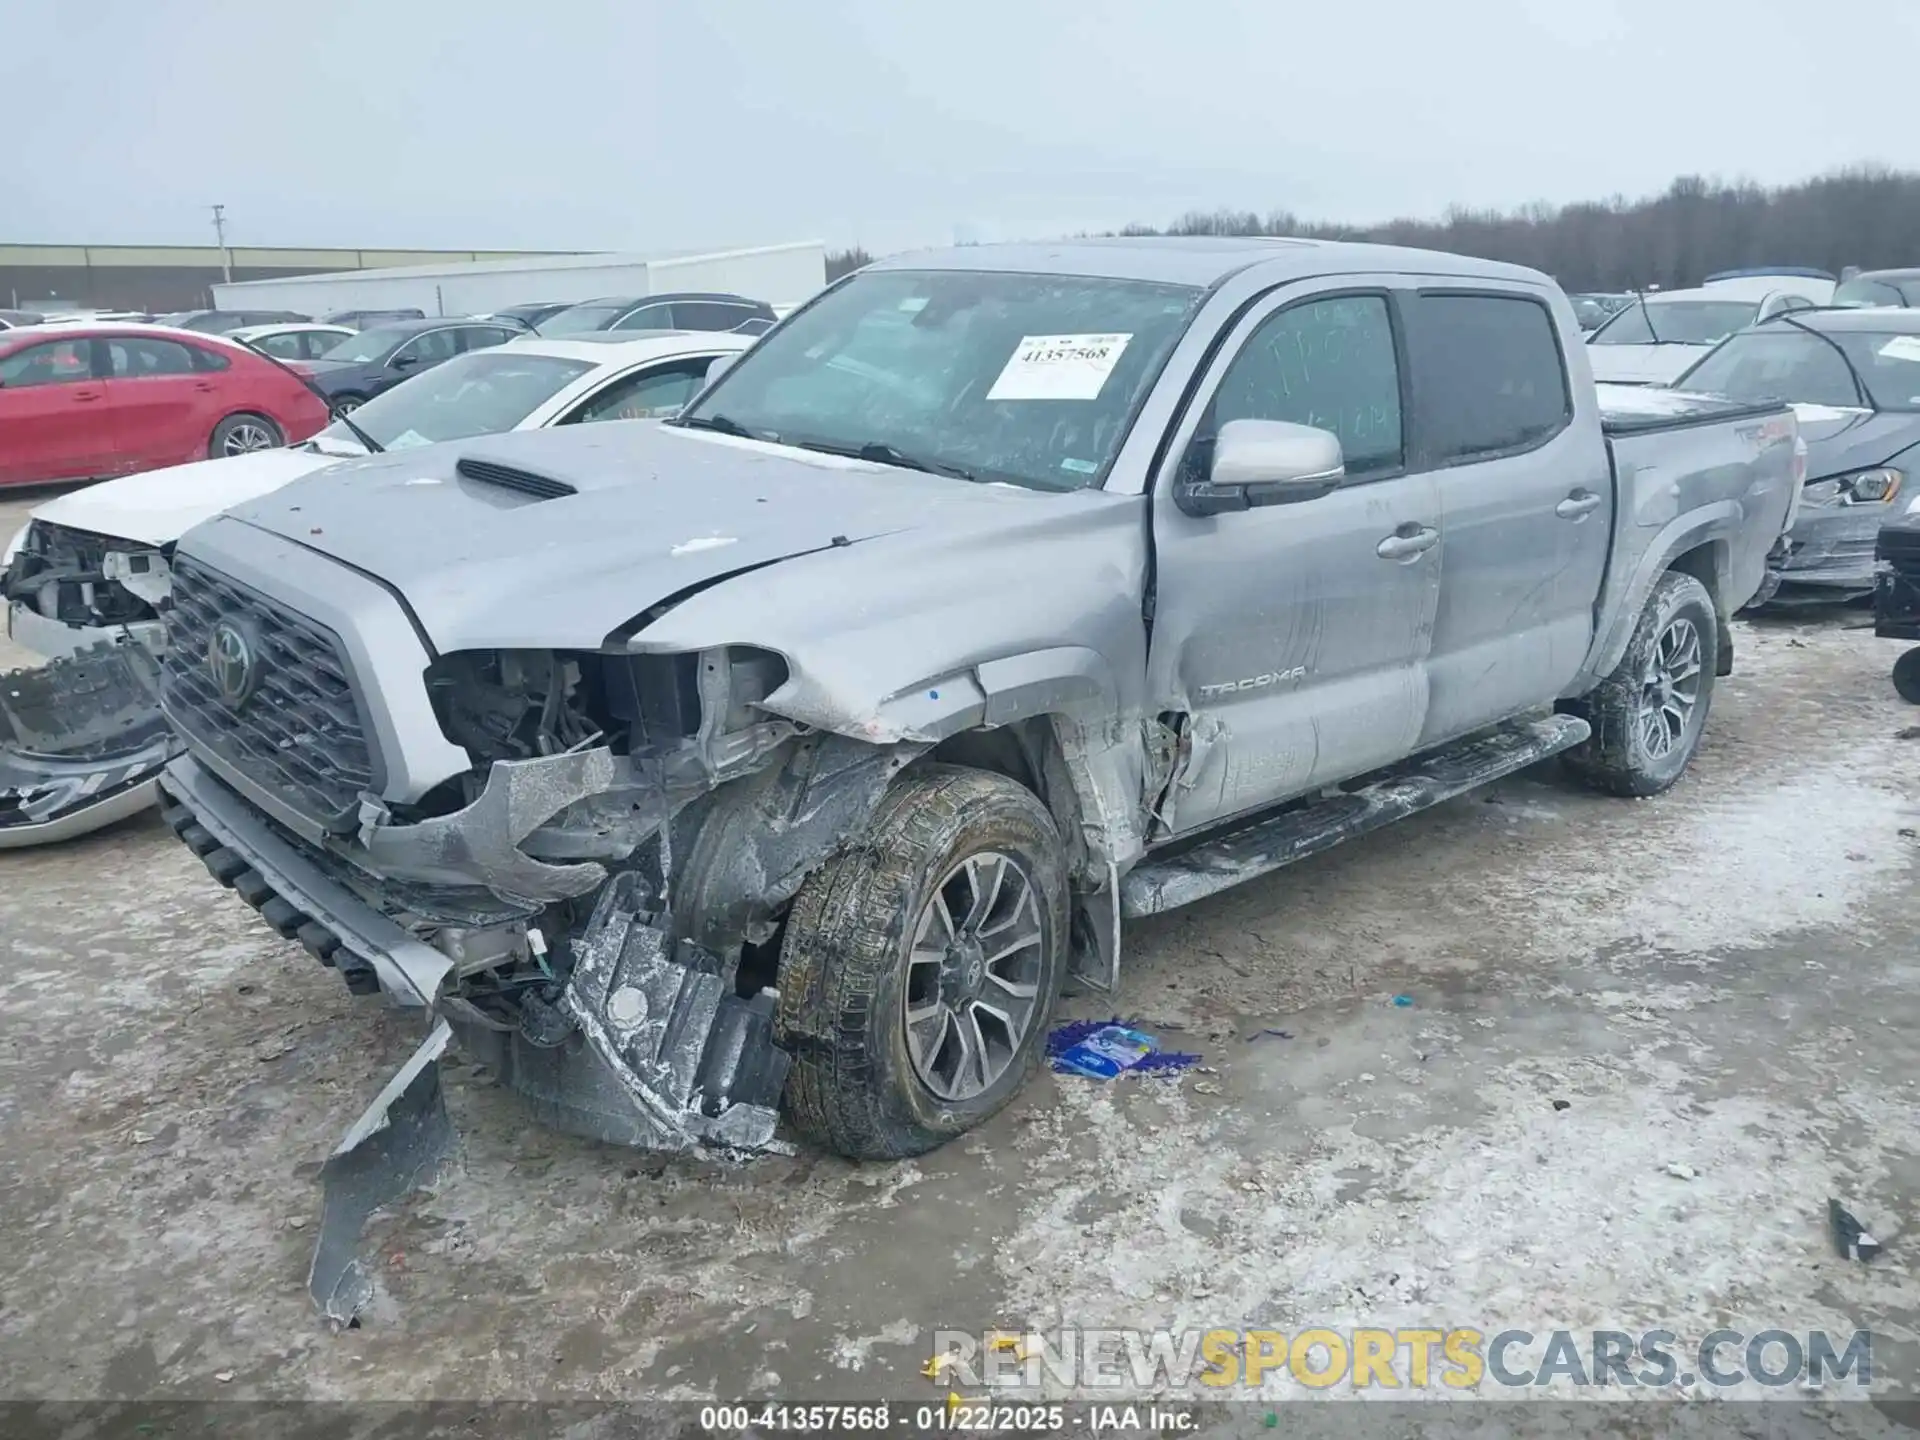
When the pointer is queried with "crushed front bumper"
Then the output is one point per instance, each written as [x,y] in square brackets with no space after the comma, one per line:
[645,1043]
[82,744]
[31,630]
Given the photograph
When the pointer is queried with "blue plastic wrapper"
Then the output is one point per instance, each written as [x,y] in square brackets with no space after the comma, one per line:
[1101,1050]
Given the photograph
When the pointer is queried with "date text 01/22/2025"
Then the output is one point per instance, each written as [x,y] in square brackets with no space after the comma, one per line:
[955,1414]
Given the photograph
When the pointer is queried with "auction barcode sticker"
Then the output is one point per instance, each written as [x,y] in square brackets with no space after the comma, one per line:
[1059,367]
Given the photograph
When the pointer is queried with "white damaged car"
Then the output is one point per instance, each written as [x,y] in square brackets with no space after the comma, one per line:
[86,582]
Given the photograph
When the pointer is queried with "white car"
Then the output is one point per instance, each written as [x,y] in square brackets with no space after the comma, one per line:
[1659,335]
[122,530]
[291,340]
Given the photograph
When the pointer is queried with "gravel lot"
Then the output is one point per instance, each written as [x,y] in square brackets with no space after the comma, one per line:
[1721,980]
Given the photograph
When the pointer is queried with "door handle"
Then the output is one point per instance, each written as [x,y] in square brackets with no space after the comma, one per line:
[1406,542]
[81,397]
[1580,502]
[203,385]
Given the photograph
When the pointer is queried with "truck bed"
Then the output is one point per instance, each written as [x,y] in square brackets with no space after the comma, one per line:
[1639,409]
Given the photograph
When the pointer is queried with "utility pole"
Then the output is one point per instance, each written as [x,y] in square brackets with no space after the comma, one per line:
[220,234]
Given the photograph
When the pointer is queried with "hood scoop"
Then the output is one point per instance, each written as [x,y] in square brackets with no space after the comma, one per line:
[511,477]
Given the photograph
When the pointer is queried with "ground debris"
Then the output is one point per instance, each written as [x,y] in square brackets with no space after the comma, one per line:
[1850,1237]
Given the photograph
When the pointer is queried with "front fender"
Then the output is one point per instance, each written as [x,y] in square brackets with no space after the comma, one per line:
[1059,680]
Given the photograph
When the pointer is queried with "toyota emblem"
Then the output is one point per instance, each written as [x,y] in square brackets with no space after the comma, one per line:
[232,663]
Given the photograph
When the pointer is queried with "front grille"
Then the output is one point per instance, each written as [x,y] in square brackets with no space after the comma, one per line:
[296,730]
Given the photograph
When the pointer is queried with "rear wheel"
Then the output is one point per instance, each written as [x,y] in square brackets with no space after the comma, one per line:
[1648,714]
[243,434]
[921,966]
[347,404]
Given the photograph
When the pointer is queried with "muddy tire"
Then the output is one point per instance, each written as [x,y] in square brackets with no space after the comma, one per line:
[1647,716]
[1906,676]
[868,957]
[242,434]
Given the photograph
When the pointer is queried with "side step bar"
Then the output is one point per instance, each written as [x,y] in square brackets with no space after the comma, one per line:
[1219,864]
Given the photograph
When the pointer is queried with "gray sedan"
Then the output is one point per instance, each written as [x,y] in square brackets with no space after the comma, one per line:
[1854,377]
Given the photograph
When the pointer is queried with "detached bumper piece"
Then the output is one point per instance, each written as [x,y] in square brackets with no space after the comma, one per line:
[648,1045]
[82,744]
[645,1043]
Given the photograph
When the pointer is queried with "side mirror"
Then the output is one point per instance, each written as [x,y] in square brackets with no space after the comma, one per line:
[404,362]
[1265,462]
[718,366]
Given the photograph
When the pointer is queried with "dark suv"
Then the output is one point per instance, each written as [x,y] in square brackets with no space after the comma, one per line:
[662,312]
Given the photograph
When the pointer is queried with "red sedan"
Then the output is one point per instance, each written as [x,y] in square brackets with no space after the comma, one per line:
[87,402]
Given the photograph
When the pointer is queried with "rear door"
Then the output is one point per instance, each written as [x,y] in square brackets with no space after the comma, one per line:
[53,415]
[163,404]
[1526,502]
[1292,639]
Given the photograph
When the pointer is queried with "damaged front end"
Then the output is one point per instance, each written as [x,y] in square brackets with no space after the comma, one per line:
[593,910]
[82,744]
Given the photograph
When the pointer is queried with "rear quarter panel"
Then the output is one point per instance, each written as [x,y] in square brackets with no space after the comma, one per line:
[266,389]
[1720,487]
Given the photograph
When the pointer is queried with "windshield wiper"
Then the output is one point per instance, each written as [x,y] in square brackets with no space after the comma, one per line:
[878,452]
[1859,381]
[726,425]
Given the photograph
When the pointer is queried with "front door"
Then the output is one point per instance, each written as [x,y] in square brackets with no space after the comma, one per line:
[53,415]
[1526,504]
[1290,642]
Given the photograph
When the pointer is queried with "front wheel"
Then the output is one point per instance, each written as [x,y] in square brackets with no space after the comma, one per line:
[242,435]
[347,404]
[921,966]
[1648,714]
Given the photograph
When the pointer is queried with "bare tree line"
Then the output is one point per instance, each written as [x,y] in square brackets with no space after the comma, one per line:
[1862,215]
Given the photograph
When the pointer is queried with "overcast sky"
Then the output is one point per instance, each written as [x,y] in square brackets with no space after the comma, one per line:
[677,124]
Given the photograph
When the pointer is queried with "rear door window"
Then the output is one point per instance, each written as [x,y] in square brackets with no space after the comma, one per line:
[653,394]
[1488,378]
[480,337]
[649,317]
[138,358]
[711,314]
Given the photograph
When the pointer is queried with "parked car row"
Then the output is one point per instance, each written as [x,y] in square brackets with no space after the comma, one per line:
[95,401]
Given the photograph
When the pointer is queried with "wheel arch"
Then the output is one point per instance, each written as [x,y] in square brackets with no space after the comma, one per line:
[1699,544]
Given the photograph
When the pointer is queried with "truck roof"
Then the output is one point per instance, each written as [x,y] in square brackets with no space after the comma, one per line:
[1204,260]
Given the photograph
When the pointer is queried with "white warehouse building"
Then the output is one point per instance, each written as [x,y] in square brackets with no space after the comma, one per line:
[782,275]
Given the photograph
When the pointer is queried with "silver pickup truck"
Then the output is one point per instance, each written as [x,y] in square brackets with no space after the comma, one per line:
[801,749]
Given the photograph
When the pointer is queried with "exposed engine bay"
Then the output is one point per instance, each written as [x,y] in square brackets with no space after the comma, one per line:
[74,577]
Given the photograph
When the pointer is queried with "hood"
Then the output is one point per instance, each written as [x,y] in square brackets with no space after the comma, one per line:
[1839,440]
[157,507]
[660,512]
[1642,364]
